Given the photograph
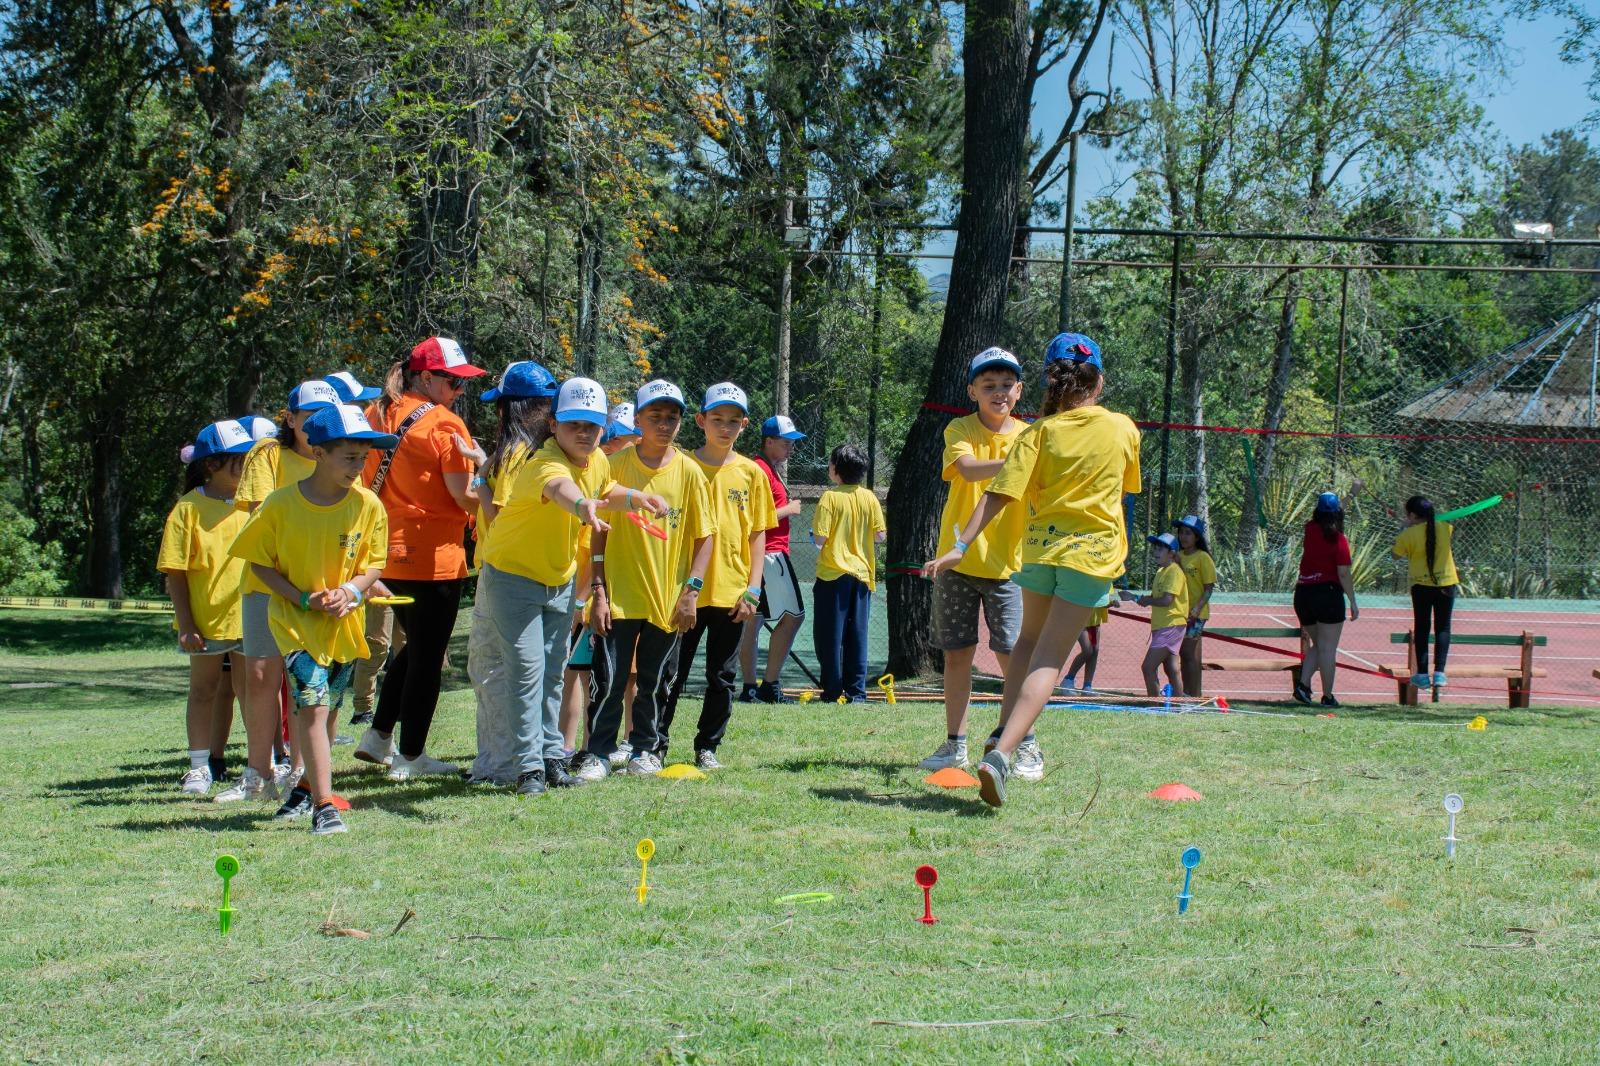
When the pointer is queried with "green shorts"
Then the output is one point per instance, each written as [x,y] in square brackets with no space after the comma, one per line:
[1074,586]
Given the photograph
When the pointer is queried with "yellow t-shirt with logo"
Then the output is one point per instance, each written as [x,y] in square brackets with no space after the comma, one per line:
[1412,546]
[500,490]
[645,575]
[534,536]
[1170,579]
[317,548]
[195,543]
[1071,470]
[1199,570]
[997,553]
[851,518]
[268,467]
[742,506]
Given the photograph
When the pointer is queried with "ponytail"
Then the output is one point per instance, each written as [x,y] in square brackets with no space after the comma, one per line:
[1422,508]
[288,436]
[1330,522]
[195,474]
[396,384]
[1069,385]
[523,421]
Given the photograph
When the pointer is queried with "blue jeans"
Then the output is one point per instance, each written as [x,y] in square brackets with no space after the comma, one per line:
[840,609]
[530,622]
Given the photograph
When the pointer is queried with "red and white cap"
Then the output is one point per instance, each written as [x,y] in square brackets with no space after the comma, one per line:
[443,356]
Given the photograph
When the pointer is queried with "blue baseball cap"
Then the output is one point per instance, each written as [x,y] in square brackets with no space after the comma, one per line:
[581,400]
[349,389]
[619,423]
[993,359]
[1166,540]
[1193,522]
[259,428]
[525,380]
[782,427]
[1328,503]
[222,438]
[343,421]
[313,395]
[1074,347]
[725,394]
[656,391]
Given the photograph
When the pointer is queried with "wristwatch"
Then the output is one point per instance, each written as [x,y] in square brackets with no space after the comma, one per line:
[694,584]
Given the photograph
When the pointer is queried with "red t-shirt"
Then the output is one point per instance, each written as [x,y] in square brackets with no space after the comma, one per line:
[1320,558]
[778,536]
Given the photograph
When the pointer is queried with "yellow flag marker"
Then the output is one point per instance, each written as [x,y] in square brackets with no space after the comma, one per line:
[681,771]
[807,696]
[1478,724]
[645,849]
[886,682]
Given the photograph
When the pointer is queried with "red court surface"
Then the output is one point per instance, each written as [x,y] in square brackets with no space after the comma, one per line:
[1570,658]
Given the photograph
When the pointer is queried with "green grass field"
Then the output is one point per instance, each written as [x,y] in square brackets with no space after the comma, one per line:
[1327,925]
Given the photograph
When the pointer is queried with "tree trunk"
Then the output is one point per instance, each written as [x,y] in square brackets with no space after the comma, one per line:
[105,508]
[587,349]
[1277,394]
[995,59]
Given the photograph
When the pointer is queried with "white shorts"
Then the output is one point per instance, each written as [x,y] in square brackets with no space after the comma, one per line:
[780,588]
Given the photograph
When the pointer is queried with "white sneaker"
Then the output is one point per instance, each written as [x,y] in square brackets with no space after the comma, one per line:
[250,786]
[706,760]
[197,782]
[643,765]
[375,748]
[620,757]
[1029,764]
[423,765]
[284,777]
[589,767]
[950,753]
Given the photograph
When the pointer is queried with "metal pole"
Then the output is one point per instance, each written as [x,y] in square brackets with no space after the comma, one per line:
[1516,539]
[1064,315]
[1172,370]
[1338,389]
[877,369]
[780,387]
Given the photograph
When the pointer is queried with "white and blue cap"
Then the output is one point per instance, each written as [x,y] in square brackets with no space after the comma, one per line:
[1192,522]
[581,400]
[1166,540]
[1074,347]
[344,422]
[1328,503]
[313,395]
[725,394]
[619,422]
[656,391]
[525,380]
[222,438]
[259,428]
[783,427]
[349,389]
[993,359]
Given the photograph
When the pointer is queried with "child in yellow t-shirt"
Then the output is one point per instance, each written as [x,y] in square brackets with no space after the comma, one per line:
[1425,544]
[319,545]
[846,528]
[1200,574]
[1169,613]
[743,510]
[647,584]
[204,583]
[1072,468]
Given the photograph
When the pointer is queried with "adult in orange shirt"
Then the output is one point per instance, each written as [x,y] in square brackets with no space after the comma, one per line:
[424,487]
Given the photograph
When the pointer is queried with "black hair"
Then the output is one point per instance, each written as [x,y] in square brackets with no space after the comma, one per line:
[200,470]
[1330,522]
[288,436]
[850,463]
[1068,385]
[1199,538]
[1422,507]
[524,420]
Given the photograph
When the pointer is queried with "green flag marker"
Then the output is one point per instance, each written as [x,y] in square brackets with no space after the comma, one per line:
[227,866]
[1469,509]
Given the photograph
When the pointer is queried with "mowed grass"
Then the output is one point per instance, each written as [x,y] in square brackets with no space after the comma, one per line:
[1326,926]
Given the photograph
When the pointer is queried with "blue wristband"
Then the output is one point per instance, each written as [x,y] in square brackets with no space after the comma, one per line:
[961,546]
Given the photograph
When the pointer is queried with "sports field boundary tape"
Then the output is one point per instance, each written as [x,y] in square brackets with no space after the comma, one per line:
[79,603]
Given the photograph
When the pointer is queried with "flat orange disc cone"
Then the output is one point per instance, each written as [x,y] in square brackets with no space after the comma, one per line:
[951,777]
[1175,791]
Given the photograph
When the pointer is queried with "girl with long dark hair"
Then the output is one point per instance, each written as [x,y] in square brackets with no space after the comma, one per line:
[1425,544]
[1319,596]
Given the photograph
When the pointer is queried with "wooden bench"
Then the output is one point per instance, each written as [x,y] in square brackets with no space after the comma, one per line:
[1518,678]
[1290,666]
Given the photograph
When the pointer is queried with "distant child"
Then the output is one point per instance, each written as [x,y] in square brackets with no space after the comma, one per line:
[1088,656]
[522,398]
[1425,544]
[319,545]
[620,432]
[652,584]
[742,510]
[781,602]
[205,583]
[1201,575]
[847,527]
[271,464]
[1072,467]
[1169,613]
[975,448]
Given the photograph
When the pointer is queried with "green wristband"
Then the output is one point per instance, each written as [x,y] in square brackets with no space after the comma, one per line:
[305,601]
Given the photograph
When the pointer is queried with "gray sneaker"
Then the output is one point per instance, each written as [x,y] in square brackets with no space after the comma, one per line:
[1030,761]
[645,764]
[620,757]
[706,760]
[992,774]
[950,753]
[326,820]
[587,766]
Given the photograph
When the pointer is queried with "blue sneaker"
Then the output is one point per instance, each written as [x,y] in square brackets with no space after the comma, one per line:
[1439,680]
[1421,681]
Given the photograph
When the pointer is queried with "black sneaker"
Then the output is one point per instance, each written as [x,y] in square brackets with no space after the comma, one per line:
[325,820]
[557,776]
[1302,693]
[361,718]
[992,774]
[1329,701]
[297,805]
[750,694]
[771,693]
[531,783]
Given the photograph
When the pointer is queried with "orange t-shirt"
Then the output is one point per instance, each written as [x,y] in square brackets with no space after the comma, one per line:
[426,526]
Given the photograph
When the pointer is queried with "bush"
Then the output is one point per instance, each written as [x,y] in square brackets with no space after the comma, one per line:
[27,568]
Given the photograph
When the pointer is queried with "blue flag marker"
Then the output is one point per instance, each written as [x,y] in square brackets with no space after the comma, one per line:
[1190,859]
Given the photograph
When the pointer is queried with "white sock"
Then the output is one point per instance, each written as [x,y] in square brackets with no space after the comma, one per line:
[199,758]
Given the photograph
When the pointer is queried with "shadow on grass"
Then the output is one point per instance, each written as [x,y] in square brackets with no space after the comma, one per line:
[38,633]
[889,771]
[914,801]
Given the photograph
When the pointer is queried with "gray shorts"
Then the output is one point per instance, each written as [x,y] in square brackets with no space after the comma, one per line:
[956,599]
[258,640]
[213,647]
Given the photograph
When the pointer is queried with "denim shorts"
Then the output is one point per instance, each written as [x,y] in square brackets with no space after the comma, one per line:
[314,685]
[1074,586]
